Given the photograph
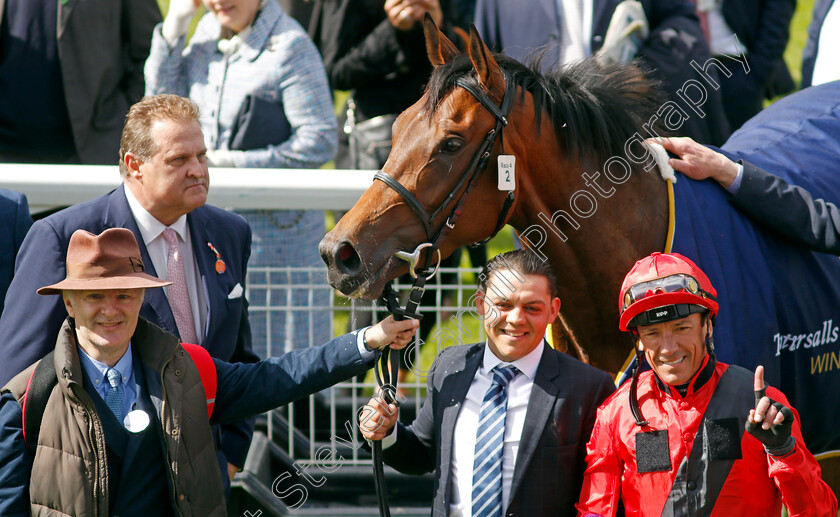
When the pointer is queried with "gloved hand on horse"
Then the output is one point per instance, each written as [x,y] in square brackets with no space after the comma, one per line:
[770,422]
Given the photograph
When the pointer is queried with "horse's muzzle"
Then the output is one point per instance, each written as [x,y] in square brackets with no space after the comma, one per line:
[344,265]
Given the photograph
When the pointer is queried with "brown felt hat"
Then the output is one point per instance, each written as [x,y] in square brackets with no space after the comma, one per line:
[110,260]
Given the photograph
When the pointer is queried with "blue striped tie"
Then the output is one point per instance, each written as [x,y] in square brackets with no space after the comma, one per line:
[489,446]
[114,395]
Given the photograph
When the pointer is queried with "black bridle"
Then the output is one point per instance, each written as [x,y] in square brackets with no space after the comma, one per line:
[387,363]
[469,177]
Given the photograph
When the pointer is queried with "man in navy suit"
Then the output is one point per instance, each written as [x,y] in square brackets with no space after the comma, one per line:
[543,425]
[15,222]
[165,183]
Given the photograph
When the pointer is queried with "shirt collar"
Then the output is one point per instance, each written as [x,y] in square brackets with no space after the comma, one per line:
[527,365]
[151,228]
[95,370]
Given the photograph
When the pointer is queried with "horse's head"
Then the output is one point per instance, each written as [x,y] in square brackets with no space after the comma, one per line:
[438,145]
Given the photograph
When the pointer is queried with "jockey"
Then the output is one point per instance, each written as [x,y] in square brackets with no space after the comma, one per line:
[673,441]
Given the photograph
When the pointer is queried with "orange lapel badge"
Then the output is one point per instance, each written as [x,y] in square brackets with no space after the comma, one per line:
[220,264]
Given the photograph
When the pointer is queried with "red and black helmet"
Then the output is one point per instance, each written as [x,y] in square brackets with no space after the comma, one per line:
[664,287]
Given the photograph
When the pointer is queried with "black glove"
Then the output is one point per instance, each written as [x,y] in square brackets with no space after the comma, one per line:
[777,440]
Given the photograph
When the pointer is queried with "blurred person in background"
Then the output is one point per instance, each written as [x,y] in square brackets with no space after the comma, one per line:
[265,103]
[563,31]
[69,71]
[761,27]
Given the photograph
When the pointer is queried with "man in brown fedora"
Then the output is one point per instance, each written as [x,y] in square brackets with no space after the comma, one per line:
[120,426]
[203,250]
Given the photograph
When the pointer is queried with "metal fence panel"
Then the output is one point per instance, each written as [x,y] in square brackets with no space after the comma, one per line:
[325,424]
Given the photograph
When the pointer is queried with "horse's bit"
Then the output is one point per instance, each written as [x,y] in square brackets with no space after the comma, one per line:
[387,363]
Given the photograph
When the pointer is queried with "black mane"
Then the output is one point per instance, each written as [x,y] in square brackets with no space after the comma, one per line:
[593,108]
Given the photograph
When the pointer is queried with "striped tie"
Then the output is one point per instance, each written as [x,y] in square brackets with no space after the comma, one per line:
[114,395]
[489,446]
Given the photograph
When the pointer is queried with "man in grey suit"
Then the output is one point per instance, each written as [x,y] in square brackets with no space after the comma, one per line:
[69,70]
[505,423]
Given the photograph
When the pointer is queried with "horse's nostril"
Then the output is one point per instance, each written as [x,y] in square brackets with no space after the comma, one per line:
[347,260]
[346,252]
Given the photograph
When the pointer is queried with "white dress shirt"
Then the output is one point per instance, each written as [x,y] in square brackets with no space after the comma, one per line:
[466,426]
[152,232]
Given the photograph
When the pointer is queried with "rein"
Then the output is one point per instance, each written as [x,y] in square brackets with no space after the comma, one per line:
[387,361]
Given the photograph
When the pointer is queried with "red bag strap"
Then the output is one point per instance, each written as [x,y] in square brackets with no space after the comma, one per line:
[207,371]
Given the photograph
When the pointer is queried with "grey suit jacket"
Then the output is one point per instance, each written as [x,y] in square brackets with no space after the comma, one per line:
[102,45]
[551,459]
[789,210]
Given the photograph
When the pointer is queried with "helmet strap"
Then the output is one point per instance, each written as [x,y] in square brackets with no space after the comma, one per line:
[710,342]
[634,401]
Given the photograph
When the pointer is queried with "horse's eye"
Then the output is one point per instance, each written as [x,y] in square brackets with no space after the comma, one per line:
[451,145]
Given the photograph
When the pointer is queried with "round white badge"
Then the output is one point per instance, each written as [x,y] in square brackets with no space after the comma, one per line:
[136,421]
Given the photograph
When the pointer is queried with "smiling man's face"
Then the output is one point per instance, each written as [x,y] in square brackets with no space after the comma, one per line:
[105,320]
[516,324]
[675,349]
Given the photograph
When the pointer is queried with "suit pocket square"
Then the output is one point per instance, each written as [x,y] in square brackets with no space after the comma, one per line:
[236,292]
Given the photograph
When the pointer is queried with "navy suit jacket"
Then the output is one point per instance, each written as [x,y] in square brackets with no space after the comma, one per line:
[549,466]
[30,323]
[14,223]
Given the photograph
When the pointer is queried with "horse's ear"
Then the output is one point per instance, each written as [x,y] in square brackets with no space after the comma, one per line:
[489,72]
[439,48]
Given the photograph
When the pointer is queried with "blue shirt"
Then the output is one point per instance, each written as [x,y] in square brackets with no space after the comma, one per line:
[96,372]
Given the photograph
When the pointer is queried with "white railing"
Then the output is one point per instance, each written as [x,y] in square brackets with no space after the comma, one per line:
[48,186]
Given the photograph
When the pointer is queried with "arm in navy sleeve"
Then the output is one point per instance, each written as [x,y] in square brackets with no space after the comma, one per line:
[789,210]
[250,389]
[236,436]
[30,322]
[15,460]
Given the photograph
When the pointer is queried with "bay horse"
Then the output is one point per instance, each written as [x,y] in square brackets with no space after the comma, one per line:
[586,199]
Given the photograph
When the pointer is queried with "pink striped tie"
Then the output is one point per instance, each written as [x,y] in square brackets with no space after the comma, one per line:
[179,298]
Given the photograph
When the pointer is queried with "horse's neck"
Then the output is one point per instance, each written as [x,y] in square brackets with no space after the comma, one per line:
[592,248]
